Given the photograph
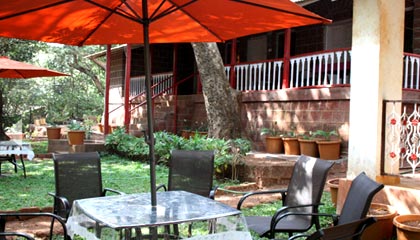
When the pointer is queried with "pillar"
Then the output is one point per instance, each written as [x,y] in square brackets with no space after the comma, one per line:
[377,54]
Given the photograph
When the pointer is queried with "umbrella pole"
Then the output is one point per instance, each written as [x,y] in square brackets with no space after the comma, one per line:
[151,140]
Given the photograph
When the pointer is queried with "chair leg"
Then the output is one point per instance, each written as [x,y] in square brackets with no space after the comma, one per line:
[52,229]
[2,227]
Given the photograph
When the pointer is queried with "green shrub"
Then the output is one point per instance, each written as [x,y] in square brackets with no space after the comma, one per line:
[228,153]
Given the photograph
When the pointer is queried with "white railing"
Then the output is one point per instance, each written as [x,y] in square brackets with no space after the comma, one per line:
[160,82]
[258,76]
[411,71]
[320,69]
[323,69]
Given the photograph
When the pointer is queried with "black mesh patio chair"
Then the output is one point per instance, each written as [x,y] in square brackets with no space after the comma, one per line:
[77,176]
[10,216]
[358,200]
[348,231]
[191,171]
[303,195]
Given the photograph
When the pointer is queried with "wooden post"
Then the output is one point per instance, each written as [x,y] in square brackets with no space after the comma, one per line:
[286,58]
[232,63]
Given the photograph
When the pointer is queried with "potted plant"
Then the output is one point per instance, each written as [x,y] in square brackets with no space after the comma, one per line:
[273,139]
[329,149]
[53,132]
[76,133]
[408,226]
[291,143]
[199,128]
[383,228]
[307,145]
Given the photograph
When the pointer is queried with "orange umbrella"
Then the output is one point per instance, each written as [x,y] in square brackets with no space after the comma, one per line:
[87,22]
[14,69]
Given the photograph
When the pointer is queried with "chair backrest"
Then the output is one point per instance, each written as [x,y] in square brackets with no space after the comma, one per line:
[191,171]
[307,182]
[359,198]
[349,231]
[77,175]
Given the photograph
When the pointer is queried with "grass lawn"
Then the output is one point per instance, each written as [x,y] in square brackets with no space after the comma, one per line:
[118,173]
[121,174]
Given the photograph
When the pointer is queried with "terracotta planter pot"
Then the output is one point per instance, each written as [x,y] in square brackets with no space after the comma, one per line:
[54,132]
[76,137]
[383,229]
[308,147]
[291,146]
[333,185]
[273,144]
[408,226]
[329,150]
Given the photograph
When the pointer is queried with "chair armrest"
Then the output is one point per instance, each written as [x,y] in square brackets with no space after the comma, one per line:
[241,201]
[61,202]
[16,234]
[112,190]
[161,186]
[5,216]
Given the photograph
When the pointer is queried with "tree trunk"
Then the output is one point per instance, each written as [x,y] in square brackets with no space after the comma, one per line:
[3,135]
[95,79]
[221,101]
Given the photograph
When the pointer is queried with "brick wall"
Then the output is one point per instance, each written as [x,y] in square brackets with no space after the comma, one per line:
[306,110]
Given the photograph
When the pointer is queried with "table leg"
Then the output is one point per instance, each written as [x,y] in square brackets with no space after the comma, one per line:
[23,166]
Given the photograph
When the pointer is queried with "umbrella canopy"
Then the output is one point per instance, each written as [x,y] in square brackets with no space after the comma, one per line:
[14,69]
[87,22]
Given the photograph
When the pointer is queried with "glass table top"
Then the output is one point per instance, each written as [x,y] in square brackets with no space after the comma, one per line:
[135,210]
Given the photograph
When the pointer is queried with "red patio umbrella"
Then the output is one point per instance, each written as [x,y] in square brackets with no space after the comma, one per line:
[84,22]
[14,69]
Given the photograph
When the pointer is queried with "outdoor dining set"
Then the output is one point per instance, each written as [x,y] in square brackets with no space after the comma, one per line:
[186,208]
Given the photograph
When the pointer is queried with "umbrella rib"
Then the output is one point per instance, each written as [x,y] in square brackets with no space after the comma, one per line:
[278,10]
[182,8]
[118,11]
[170,10]
[35,9]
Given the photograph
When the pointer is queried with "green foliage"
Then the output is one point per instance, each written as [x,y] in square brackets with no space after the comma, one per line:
[126,145]
[307,136]
[272,131]
[39,146]
[56,98]
[326,135]
[228,153]
[75,126]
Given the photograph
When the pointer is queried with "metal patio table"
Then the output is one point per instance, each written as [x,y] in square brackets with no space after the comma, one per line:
[125,216]
[9,150]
